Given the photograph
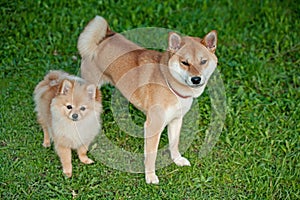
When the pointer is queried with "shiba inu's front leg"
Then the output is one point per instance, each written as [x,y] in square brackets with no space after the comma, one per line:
[153,128]
[82,151]
[174,135]
[65,156]
[151,146]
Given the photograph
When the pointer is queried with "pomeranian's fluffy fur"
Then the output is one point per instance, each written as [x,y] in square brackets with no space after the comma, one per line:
[68,110]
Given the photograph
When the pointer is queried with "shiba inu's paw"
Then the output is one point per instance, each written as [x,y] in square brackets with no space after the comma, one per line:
[181,161]
[151,178]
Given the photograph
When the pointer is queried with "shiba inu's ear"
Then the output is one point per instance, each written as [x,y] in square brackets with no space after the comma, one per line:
[65,87]
[93,92]
[174,42]
[210,41]
[109,32]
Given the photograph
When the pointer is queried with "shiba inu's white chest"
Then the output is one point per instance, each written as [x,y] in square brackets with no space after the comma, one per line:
[179,109]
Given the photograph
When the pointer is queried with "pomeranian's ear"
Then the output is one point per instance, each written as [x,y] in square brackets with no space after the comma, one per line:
[174,42]
[65,87]
[210,41]
[93,92]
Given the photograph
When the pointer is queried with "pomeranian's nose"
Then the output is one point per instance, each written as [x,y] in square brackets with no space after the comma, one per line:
[74,116]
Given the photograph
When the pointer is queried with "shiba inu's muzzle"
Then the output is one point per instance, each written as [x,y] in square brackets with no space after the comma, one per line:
[195,81]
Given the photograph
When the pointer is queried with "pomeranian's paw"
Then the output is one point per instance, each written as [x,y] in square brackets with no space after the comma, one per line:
[68,173]
[151,178]
[46,144]
[86,160]
[181,161]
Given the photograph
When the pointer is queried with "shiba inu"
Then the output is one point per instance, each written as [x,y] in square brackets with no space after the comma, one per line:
[68,109]
[162,85]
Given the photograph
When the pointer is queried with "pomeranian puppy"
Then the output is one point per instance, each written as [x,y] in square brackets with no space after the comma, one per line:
[68,110]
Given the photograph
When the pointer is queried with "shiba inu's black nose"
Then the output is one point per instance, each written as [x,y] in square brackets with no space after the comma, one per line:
[74,116]
[196,80]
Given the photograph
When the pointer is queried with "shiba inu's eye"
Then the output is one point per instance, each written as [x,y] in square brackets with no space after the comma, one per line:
[82,108]
[69,107]
[203,62]
[185,63]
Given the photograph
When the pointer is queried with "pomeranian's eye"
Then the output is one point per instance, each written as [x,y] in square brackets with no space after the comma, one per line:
[69,107]
[82,108]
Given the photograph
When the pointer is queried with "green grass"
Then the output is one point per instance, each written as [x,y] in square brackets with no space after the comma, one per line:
[258,153]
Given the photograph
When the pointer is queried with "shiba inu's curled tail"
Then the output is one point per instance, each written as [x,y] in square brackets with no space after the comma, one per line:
[91,36]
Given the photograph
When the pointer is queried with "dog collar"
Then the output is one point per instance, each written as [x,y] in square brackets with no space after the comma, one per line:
[177,93]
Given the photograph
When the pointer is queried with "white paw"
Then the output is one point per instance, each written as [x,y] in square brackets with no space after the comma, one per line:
[46,144]
[152,178]
[68,173]
[181,161]
[87,161]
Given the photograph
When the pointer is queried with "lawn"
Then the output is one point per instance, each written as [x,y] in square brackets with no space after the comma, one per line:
[257,155]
